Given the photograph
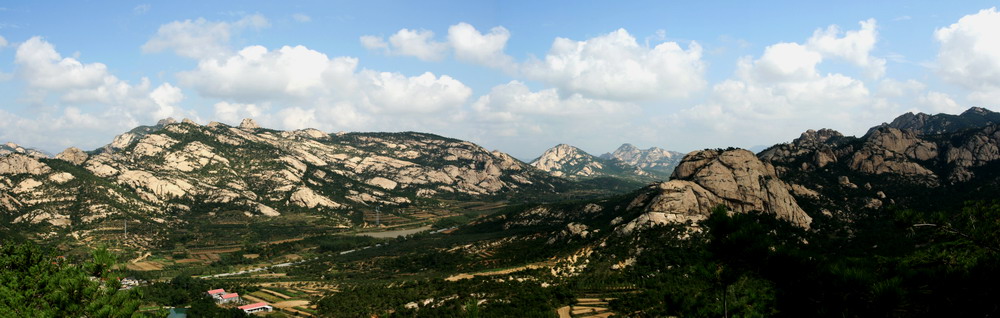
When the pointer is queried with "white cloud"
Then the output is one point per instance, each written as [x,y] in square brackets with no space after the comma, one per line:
[254,73]
[301,17]
[515,100]
[855,46]
[613,66]
[783,92]
[3,42]
[970,54]
[485,49]
[425,93]
[331,92]
[42,67]
[372,42]
[938,102]
[529,121]
[417,43]
[78,100]
[406,42]
[782,62]
[235,112]
[200,38]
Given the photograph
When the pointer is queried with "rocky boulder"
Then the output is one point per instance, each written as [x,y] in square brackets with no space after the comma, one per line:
[73,155]
[708,178]
[249,124]
[889,150]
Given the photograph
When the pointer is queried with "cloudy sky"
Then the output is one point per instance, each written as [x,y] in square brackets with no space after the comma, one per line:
[518,76]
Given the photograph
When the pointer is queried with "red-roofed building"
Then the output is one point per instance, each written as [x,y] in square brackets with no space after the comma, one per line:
[229,297]
[256,307]
[216,292]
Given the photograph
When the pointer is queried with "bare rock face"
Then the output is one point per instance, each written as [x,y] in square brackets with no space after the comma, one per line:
[708,178]
[19,163]
[977,150]
[567,161]
[894,151]
[249,124]
[816,146]
[10,147]
[73,155]
[306,197]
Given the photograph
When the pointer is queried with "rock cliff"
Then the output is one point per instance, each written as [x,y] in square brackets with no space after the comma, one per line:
[708,178]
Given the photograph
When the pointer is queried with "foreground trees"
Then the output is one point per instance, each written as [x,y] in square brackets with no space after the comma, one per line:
[38,283]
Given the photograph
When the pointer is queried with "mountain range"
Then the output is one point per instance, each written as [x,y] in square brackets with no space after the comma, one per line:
[626,162]
[172,172]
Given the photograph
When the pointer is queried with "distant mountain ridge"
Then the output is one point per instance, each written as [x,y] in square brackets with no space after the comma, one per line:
[653,159]
[10,147]
[571,162]
[924,124]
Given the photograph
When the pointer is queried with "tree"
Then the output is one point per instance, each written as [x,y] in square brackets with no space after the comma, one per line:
[38,283]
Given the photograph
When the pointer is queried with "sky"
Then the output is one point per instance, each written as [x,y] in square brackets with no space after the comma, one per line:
[515,76]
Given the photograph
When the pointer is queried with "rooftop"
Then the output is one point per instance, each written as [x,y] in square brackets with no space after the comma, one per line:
[254,306]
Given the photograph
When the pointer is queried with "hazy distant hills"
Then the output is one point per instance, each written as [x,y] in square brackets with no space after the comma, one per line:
[627,162]
[10,147]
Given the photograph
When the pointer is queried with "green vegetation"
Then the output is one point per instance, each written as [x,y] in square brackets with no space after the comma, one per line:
[35,282]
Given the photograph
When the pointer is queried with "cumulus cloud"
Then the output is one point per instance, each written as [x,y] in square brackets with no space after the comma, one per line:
[485,49]
[514,100]
[200,38]
[299,74]
[235,112]
[47,73]
[374,43]
[783,92]
[406,42]
[970,54]
[854,46]
[73,98]
[3,42]
[529,121]
[297,87]
[938,102]
[614,66]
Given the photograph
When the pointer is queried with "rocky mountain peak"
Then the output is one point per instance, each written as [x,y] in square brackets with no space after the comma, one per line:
[976,111]
[565,160]
[653,159]
[189,121]
[817,137]
[924,124]
[73,155]
[249,123]
[11,148]
[166,121]
[707,178]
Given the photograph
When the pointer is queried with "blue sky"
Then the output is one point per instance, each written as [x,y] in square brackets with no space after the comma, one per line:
[515,76]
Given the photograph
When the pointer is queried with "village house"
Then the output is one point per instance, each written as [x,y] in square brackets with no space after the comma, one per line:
[256,307]
[230,298]
[217,293]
